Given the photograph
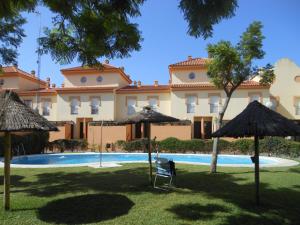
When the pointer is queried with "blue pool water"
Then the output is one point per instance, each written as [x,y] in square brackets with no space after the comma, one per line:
[46,159]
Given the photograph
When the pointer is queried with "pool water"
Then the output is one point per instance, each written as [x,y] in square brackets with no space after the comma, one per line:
[87,158]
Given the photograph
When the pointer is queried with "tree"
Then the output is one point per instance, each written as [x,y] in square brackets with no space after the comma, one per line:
[231,65]
[85,30]
[201,15]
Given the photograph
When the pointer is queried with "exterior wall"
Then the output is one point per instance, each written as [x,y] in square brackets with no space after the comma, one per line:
[10,82]
[286,87]
[25,85]
[142,100]
[182,76]
[111,134]
[109,80]
[63,133]
[238,102]
[106,109]
[161,132]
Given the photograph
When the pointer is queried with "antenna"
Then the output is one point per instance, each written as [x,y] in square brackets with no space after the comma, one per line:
[38,60]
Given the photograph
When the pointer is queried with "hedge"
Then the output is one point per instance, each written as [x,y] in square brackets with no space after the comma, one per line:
[275,146]
[66,144]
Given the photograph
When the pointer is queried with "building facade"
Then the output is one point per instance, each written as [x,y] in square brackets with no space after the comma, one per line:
[108,94]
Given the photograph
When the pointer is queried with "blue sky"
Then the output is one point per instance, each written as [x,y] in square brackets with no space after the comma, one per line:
[166,40]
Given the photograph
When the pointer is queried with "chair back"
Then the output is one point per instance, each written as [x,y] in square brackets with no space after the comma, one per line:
[163,166]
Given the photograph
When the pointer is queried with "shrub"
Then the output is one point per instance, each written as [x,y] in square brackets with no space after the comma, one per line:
[279,146]
[66,144]
[244,146]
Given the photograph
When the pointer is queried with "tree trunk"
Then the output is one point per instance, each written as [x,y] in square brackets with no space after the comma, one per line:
[256,156]
[7,156]
[215,151]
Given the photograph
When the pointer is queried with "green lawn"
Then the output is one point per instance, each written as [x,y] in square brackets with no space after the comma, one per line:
[121,195]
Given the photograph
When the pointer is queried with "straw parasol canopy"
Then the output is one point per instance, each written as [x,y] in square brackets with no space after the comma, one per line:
[148,116]
[257,120]
[15,116]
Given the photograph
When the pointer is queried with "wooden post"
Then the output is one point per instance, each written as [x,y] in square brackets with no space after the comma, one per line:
[256,156]
[147,133]
[7,156]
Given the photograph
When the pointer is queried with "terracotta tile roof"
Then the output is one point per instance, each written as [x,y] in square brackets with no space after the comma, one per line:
[84,89]
[208,85]
[7,70]
[191,62]
[106,68]
[49,91]
[79,68]
[144,89]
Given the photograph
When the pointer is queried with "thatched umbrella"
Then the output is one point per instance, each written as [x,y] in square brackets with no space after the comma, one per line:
[16,117]
[148,116]
[258,121]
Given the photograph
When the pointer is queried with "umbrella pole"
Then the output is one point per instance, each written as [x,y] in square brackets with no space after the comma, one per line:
[147,128]
[256,155]
[7,156]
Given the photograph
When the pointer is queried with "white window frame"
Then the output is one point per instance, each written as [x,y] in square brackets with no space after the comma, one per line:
[74,108]
[214,106]
[131,103]
[46,107]
[191,105]
[252,94]
[95,108]
[153,106]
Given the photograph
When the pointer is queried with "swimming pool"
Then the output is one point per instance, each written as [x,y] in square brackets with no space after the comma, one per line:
[83,159]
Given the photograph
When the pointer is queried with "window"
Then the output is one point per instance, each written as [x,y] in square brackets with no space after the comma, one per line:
[297,106]
[1,82]
[254,97]
[46,106]
[214,101]
[83,80]
[191,101]
[153,102]
[274,103]
[95,103]
[74,106]
[28,102]
[192,76]
[99,79]
[131,106]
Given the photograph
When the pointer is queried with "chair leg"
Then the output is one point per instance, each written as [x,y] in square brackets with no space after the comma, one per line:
[155,181]
[170,183]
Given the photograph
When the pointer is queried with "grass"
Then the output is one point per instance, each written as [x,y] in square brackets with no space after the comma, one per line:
[121,195]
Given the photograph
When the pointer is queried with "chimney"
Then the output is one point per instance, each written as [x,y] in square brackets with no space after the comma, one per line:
[62,85]
[134,83]
[190,57]
[53,85]
[48,82]
[106,61]
[156,83]
[139,83]
[33,73]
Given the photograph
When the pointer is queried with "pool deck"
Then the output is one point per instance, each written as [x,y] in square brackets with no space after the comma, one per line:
[279,162]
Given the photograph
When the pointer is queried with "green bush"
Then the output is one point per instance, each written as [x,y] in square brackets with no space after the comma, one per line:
[66,144]
[34,143]
[244,146]
[269,145]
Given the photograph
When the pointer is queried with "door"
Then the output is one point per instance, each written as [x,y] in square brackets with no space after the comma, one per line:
[138,132]
[197,129]
[207,129]
[81,135]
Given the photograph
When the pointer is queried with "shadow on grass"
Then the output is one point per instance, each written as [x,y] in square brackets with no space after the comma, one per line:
[277,202]
[194,211]
[85,209]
